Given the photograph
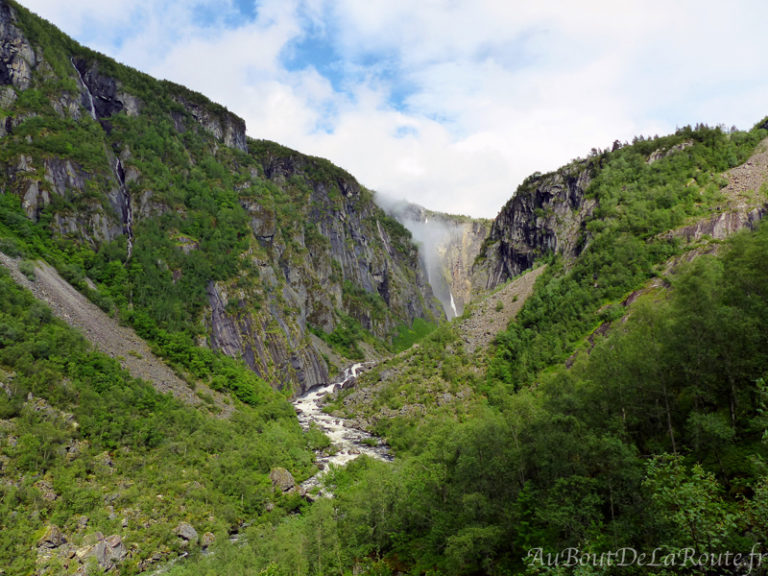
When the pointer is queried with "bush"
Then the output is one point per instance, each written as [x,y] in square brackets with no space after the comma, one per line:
[28,269]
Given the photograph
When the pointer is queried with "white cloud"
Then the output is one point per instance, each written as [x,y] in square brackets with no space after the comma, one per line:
[495,90]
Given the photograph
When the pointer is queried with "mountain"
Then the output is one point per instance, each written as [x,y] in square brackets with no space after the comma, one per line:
[224,274]
[550,213]
[168,283]
[545,216]
[188,228]
[615,368]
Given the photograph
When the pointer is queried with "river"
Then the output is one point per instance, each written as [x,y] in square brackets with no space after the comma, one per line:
[348,441]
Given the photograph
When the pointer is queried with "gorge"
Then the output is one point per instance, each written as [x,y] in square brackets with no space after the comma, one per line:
[203,333]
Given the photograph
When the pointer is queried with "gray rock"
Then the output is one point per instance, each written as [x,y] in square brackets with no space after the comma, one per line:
[221,124]
[186,533]
[282,479]
[17,59]
[53,537]
[207,540]
[103,89]
[67,106]
[93,538]
[131,104]
[657,155]
[110,551]
[225,335]
[46,490]
[34,200]
[8,96]
[545,216]
[64,177]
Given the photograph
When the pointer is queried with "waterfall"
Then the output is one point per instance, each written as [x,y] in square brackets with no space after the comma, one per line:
[87,90]
[350,373]
[453,306]
[126,204]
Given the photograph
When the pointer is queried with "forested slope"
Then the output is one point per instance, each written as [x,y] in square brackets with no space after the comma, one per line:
[87,451]
[152,199]
[624,405]
[654,440]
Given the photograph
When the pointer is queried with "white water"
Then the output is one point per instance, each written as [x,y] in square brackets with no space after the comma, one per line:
[453,306]
[128,215]
[348,442]
[87,91]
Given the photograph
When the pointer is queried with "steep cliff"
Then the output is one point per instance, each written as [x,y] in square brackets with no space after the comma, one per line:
[545,216]
[562,212]
[185,227]
[448,246]
[323,254]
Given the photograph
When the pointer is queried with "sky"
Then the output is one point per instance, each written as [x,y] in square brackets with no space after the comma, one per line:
[446,103]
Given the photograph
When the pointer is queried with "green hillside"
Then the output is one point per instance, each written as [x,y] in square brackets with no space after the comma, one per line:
[624,406]
[190,231]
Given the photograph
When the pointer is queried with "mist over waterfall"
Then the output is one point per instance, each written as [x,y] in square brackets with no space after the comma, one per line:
[430,237]
[447,246]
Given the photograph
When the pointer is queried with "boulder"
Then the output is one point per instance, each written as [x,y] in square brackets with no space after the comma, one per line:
[46,490]
[110,551]
[207,540]
[282,479]
[53,537]
[186,533]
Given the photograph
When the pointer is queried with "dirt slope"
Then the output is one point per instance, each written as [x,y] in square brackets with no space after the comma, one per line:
[492,314]
[106,334]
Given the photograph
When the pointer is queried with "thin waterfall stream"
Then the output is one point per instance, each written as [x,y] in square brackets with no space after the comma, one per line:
[92,107]
[126,205]
[453,307]
[127,210]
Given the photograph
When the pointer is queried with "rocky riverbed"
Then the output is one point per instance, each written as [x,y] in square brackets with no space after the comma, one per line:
[348,442]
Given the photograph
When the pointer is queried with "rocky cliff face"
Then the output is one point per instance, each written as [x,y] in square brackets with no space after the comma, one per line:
[465,242]
[222,125]
[448,246]
[545,216]
[17,58]
[549,212]
[101,95]
[164,183]
[339,256]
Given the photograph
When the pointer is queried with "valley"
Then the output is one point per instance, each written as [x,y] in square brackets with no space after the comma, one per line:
[220,355]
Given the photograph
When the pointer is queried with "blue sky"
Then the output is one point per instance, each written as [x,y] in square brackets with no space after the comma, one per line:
[447,103]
